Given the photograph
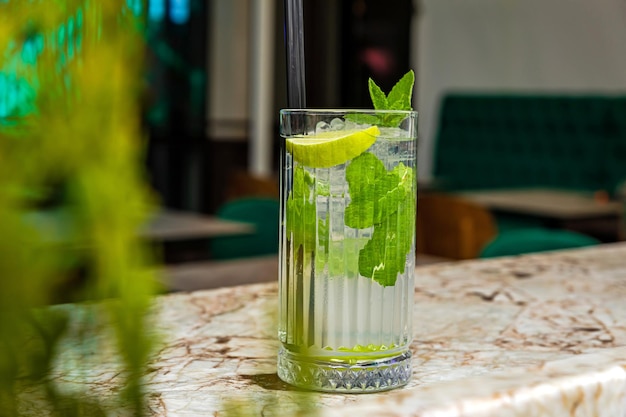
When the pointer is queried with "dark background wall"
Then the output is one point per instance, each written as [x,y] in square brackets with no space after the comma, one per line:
[346,42]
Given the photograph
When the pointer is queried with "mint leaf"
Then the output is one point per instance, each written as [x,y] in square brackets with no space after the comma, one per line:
[384,255]
[363,175]
[399,97]
[381,199]
[301,213]
[363,118]
[375,193]
[379,100]
[395,188]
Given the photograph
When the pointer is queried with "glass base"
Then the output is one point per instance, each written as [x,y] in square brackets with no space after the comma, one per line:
[367,376]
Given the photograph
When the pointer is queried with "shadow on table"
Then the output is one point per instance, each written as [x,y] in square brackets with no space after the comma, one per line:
[270,382]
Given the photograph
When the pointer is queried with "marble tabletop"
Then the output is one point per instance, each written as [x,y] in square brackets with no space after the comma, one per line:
[535,335]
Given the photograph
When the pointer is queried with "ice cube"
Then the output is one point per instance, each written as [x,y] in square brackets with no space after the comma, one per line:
[336,124]
[322,126]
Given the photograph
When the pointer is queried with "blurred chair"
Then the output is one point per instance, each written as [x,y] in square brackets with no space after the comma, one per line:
[455,228]
[516,242]
[452,227]
[243,184]
[263,214]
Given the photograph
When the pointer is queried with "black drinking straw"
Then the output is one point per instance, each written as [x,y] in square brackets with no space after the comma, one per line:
[294,45]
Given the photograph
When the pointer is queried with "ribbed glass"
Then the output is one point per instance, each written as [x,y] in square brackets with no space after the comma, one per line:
[340,330]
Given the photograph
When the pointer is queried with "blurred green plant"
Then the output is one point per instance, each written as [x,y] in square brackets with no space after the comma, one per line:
[72,197]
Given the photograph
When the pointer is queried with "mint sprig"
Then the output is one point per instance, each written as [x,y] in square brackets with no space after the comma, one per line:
[399,98]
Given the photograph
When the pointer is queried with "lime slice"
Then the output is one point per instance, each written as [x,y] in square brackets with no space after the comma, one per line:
[327,149]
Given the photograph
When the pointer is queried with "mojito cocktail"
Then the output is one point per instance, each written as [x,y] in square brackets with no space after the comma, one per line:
[347,255]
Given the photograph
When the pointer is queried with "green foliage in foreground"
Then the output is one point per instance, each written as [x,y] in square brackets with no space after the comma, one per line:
[72,197]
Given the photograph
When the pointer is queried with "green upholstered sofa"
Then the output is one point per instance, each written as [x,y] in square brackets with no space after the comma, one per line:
[524,140]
